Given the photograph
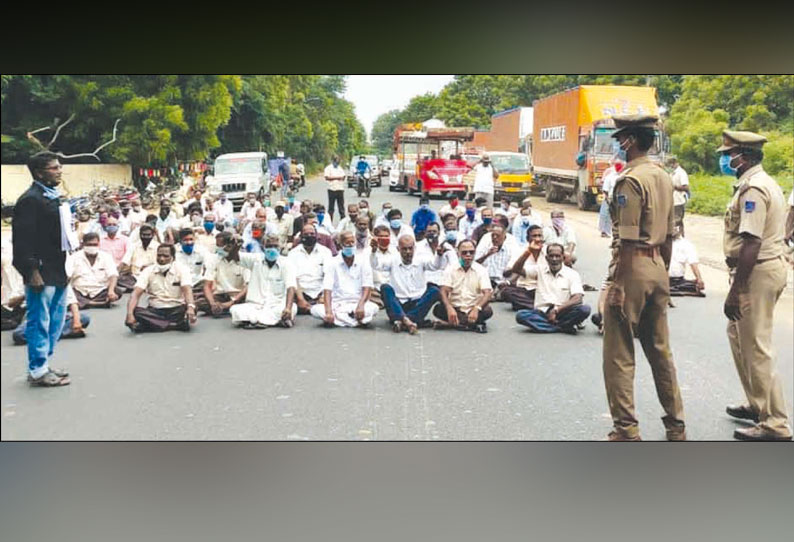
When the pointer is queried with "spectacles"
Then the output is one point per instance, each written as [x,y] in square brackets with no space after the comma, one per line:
[466,252]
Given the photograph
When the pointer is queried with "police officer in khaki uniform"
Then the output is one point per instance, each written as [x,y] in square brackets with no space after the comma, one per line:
[754,252]
[637,299]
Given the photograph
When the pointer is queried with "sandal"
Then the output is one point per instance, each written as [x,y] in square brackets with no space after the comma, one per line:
[49,380]
[397,327]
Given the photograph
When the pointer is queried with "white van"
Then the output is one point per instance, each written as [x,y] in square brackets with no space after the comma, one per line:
[238,173]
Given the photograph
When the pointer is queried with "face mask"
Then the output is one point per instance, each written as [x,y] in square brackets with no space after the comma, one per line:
[291,200]
[223,199]
[505,206]
[145,241]
[164,213]
[424,206]
[431,237]
[383,242]
[257,234]
[115,214]
[462,262]
[187,249]
[320,217]
[361,233]
[348,252]
[470,213]
[162,268]
[309,241]
[111,230]
[386,211]
[219,227]
[487,221]
[125,211]
[395,223]
[558,222]
[221,252]
[279,212]
[453,203]
[209,226]
[452,236]
[267,203]
[91,251]
[271,254]
[725,165]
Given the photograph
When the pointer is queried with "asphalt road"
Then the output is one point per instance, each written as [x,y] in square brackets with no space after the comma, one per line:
[309,383]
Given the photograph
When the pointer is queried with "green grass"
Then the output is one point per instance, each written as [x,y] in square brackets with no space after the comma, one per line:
[711,193]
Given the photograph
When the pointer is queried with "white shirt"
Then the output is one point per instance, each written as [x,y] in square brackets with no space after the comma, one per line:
[496,263]
[284,228]
[347,283]
[408,280]
[89,279]
[331,171]
[423,250]
[405,229]
[521,225]
[248,210]
[467,228]
[554,290]
[13,284]
[268,285]
[510,213]
[301,169]
[565,238]
[447,209]
[227,276]
[193,262]
[530,279]
[326,226]
[379,278]
[270,229]
[680,178]
[346,224]
[171,221]
[223,211]
[483,178]
[310,269]
[608,181]
[683,253]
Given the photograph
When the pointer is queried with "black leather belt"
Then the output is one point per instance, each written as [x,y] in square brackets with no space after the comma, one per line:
[733,262]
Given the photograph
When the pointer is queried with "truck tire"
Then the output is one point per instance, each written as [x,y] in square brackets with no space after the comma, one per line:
[391,188]
[581,199]
[410,190]
[551,192]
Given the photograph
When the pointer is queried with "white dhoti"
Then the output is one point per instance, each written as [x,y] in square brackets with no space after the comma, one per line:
[268,314]
[342,312]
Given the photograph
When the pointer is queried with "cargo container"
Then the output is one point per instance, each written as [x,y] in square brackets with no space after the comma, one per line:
[572,138]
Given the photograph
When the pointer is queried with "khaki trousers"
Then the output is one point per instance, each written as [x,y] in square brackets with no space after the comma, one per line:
[645,306]
[751,344]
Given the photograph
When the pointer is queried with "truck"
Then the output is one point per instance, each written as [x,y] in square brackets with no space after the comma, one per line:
[421,173]
[572,138]
[239,173]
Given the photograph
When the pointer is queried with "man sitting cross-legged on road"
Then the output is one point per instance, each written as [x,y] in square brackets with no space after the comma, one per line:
[94,275]
[311,261]
[347,285]
[168,285]
[465,293]
[141,253]
[270,299]
[225,280]
[522,295]
[407,296]
[558,300]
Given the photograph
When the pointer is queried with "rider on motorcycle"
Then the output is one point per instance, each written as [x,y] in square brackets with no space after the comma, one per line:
[364,172]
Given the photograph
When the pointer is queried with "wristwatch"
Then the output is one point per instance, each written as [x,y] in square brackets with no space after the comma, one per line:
[191,306]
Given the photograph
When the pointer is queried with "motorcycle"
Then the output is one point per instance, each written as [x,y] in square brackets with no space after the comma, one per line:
[362,183]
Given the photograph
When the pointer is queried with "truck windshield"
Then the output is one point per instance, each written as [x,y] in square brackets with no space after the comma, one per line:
[510,163]
[604,144]
[236,166]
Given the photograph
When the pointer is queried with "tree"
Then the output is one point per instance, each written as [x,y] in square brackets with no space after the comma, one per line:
[383,132]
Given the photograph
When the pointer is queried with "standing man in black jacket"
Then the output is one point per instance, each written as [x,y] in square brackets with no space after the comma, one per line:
[41,239]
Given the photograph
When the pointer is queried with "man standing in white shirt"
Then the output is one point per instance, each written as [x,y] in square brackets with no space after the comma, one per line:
[465,293]
[335,177]
[558,300]
[346,287]
[94,275]
[302,173]
[311,262]
[684,254]
[407,296]
[484,176]
[270,299]
[680,191]
[607,186]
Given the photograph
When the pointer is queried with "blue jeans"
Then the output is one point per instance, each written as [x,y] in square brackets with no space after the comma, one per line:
[538,322]
[19,332]
[415,310]
[46,314]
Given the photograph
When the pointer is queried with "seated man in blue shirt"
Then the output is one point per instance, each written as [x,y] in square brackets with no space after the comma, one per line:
[422,217]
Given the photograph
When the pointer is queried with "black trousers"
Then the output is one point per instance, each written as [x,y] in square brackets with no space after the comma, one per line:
[440,312]
[337,196]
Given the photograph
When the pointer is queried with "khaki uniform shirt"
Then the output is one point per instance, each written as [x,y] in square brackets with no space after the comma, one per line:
[758,208]
[643,203]
[138,257]
[89,279]
[466,286]
[165,290]
[228,276]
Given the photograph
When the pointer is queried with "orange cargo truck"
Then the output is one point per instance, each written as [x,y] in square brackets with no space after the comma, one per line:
[571,138]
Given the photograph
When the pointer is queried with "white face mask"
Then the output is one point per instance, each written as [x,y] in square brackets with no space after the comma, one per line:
[91,251]
[158,268]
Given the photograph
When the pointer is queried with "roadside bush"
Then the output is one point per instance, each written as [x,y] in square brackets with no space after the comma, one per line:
[711,193]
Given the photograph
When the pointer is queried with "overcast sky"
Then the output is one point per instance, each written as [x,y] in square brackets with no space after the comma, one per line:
[374,95]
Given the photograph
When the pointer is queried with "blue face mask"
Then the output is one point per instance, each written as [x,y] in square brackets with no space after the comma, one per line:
[725,164]
[320,217]
[452,236]
[271,254]
[395,223]
[111,229]
[487,221]
[470,213]
[187,249]
[620,152]
[221,252]
[209,226]
[348,252]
